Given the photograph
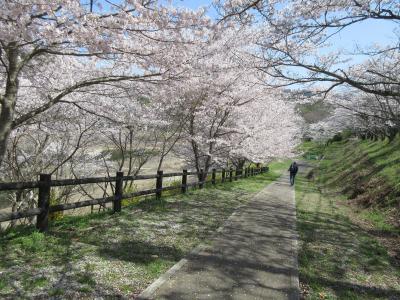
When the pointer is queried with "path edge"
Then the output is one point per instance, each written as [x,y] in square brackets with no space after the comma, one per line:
[149,292]
[294,276]
[152,288]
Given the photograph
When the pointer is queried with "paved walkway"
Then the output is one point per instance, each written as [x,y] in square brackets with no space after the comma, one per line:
[254,257]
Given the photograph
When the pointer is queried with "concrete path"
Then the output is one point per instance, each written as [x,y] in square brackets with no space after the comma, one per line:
[254,257]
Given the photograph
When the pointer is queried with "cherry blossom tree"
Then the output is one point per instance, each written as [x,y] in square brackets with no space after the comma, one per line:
[268,128]
[363,114]
[231,115]
[60,48]
[296,49]
[295,29]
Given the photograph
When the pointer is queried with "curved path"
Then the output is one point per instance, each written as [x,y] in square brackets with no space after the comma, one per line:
[254,256]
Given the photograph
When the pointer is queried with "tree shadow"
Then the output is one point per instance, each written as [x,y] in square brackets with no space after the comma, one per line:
[252,257]
[138,251]
[333,249]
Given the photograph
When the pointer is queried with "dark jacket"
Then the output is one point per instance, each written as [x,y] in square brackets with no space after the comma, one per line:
[293,168]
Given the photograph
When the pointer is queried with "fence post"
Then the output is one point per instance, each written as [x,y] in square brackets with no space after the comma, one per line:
[118,192]
[223,176]
[159,184]
[184,182]
[230,174]
[213,176]
[42,220]
[201,179]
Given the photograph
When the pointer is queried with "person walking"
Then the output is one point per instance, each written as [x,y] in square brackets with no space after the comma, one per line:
[293,171]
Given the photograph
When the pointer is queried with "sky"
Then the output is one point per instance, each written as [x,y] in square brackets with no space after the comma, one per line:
[193,4]
[362,35]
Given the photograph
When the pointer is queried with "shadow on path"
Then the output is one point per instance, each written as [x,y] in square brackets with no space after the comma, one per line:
[254,257]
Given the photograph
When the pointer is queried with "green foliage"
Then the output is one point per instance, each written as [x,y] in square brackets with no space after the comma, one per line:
[156,267]
[54,200]
[347,133]
[277,166]
[337,137]
[56,292]
[130,201]
[86,278]
[3,283]
[35,242]
[312,150]
[379,220]
[177,184]
[151,203]
[30,283]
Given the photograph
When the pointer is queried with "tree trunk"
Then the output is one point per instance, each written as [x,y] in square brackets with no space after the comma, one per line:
[8,100]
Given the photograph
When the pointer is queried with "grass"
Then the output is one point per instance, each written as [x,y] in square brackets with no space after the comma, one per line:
[376,158]
[118,254]
[379,221]
[367,173]
[338,259]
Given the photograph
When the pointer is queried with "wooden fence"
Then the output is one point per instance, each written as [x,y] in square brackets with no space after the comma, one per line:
[45,183]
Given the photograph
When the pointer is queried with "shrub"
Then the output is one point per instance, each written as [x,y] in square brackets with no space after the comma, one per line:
[175,183]
[134,200]
[337,137]
[54,200]
[347,133]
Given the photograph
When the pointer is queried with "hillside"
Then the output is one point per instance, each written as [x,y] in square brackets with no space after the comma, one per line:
[367,171]
[366,174]
[314,112]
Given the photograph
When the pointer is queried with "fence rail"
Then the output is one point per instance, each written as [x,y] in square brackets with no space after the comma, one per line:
[45,183]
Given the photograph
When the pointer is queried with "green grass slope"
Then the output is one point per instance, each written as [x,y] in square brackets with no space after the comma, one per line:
[348,220]
[367,172]
[339,258]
